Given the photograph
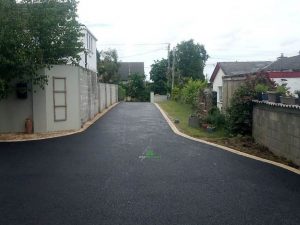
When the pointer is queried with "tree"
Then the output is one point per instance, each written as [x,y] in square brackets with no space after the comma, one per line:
[135,88]
[158,74]
[191,59]
[34,35]
[107,63]
[190,91]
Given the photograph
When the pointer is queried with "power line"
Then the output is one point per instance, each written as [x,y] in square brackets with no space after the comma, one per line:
[120,44]
[144,53]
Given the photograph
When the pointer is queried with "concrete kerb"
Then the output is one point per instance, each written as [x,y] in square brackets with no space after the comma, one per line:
[71,132]
[176,131]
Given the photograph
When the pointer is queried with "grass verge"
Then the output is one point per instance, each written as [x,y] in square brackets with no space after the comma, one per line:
[180,111]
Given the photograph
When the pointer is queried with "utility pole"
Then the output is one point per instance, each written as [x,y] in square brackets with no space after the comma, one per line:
[168,70]
[173,68]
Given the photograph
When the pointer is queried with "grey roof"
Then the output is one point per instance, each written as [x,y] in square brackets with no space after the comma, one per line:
[127,68]
[285,64]
[239,68]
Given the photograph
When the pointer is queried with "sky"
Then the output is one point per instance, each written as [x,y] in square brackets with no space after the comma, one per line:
[230,30]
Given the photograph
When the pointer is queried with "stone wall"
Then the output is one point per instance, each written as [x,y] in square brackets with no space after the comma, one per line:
[278,127]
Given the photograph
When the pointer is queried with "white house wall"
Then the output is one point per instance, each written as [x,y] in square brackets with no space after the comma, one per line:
[91,52]
[292,83]
[216,84]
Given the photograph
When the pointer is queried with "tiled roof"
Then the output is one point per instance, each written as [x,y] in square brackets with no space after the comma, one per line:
[285,64]
[239,68]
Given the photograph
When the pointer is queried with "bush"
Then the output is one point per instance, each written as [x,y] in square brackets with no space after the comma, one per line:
[239,119]
[216,118]
[261,88]
[121,93]
[239,114]
[191,90]
[175,95]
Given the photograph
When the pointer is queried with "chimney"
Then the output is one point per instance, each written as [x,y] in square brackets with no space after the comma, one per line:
[281,56]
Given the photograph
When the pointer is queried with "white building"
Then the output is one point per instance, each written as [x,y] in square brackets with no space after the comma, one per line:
[232,71]
[89,56]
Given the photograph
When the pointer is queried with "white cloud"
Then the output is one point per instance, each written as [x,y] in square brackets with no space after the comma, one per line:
[230,30]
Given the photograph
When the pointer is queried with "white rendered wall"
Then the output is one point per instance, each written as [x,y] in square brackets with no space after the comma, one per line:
[91,55]
[292,83]
[216,84]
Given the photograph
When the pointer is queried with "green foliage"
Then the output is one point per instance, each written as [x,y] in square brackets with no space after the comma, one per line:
[191,58]
[136,88]
[121,93]
[107,65]
[261,88]
[239,114]
[35,35]
[282,89]
[176,94]
[190,91]
[216,118]
[158,74]
[239,118]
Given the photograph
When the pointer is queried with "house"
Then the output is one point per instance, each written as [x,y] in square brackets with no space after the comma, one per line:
[228,76]
[89,56]
[128,68]
[285,70]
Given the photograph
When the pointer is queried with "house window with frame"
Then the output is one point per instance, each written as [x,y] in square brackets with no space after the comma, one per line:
[220,94]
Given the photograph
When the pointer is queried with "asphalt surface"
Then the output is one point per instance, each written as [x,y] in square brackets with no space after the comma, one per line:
[130,168]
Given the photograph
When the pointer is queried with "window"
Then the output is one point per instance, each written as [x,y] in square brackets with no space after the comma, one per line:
[89,42]
[220,94]
[59,99]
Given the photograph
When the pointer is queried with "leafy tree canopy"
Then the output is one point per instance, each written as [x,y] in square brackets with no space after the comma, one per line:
[108,66]
[36,34]
[190,59]
[158,74]
[135,87]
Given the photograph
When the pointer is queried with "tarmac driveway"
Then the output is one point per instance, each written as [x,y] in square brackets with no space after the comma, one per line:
[130,168]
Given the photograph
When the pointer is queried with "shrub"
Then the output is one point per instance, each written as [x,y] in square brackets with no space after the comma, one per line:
[261,88]
[239,114]
[282,89]
[175,95]
[191,90]
[216,118]
[239,118]
[121,93]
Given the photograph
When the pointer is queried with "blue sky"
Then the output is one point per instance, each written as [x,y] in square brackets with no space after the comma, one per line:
[231,30]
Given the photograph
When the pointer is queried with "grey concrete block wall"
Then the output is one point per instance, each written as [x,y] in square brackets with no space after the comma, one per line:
[108,92]
[278,128]
[102,96]
[84,96]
